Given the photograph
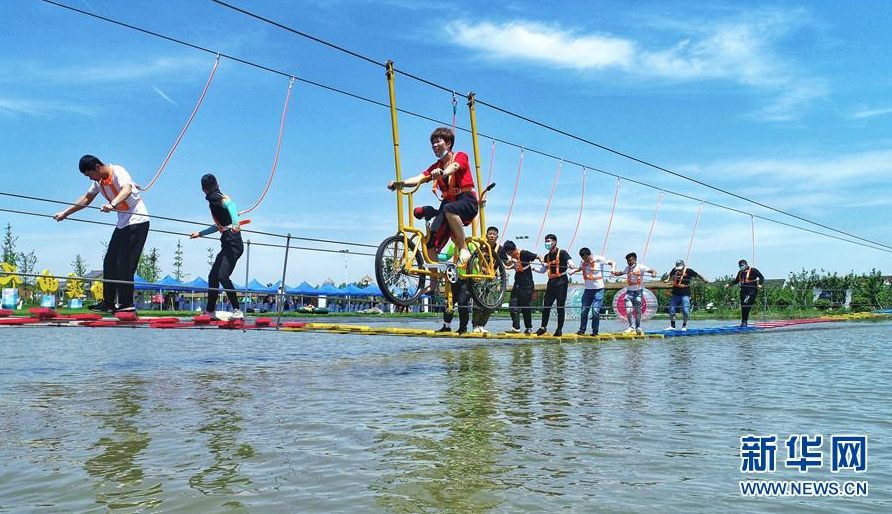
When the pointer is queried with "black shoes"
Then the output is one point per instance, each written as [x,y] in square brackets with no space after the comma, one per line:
[580,333]
[528,331]
[540,332]
[125,309]
[462,330]
[444,328]
[557,333]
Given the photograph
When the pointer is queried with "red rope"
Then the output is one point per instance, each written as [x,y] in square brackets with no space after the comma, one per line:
[186,127]
[687,257]
[548,205]
[610,222]
[492,158]
[278,147]
[653,223]
[513,196]
[578,218]
[753,221]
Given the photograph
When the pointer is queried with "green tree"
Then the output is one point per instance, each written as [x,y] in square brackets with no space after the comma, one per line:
[9,253]
[149,266]
[26,263]
[211,257]
[178,262]
[79,266]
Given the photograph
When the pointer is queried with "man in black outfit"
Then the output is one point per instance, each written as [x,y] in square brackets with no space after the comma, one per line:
[556,263]
[750,280]
[522,291]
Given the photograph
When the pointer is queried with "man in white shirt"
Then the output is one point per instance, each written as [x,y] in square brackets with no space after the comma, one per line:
[634,289]
[592,269]
[129,237]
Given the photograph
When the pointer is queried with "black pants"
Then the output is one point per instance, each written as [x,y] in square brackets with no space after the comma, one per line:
[521,297]
[555,290]
[231,249]
[120,263]
[462,297]
[747,299]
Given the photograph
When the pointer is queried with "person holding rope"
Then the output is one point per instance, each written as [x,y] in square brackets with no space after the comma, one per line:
[226,222]
[453,178]
[481,314]
[680,277]
[750,280]
[634,289]
[592,268]
[557,262]
[522,291]
[129,236]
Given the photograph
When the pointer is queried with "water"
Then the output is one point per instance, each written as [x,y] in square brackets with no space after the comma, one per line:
[139,420]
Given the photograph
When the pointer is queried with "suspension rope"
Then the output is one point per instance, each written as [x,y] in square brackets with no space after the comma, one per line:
[454,111]
[687,257]
[610,221]
[492,159]
[653,223]
[579,217]
[278,147]
[548,205]
[513,196]
[185,128]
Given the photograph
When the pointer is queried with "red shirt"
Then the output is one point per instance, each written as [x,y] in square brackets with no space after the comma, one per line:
[461,179]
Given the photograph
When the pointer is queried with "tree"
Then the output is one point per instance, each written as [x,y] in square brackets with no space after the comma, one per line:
[79,266]
[149,266]
[211,257]
[26,263]
[9,254]
[178,262]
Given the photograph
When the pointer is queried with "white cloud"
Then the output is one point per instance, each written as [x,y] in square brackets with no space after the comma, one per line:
[163,95]
[870,113]
[132,70]
[41,108]
[740,51]
[812,172]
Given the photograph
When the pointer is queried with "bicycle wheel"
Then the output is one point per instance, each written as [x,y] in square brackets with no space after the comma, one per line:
[488,293]
[397,285]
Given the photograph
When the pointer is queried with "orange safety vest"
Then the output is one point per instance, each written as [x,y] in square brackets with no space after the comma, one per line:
[634,277]
[109,191]
[679,277]
[746,278]
[448,189]
[554,267]
[588,271]
[518,266]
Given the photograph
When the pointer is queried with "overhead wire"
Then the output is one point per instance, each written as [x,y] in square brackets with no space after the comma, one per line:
[872,245]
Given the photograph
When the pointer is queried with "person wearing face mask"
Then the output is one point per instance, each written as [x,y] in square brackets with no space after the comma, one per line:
[557,262]
[481,314]
[750,280]
[680,277]
[453,178]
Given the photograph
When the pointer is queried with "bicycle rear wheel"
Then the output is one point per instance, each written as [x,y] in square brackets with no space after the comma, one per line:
[488,293]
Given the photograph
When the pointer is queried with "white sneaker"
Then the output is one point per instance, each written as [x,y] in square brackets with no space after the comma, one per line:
[512,330]
[483,330]
[237,314]
[668,329]
[463,257]
[222,316]
[684,329]
[629,330]
[477,329]
[639,331]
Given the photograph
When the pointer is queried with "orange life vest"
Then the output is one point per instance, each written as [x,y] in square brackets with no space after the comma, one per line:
[554,267]
[518,266]
[447,189]
[634,277]
[588,271]
[109,191]
[746,278]
[677,282]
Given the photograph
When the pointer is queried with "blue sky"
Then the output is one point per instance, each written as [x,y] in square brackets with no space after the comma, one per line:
[787,103]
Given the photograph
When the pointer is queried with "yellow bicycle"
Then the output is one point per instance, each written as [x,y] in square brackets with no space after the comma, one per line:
[402,263]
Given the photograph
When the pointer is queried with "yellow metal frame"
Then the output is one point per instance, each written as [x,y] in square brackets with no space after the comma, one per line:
[417,236]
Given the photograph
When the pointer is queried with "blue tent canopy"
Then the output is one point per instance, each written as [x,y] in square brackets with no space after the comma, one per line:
[140,283]
[303,289]
[256,287]
[169,283]
[197,284]
[331,290]
[372,290]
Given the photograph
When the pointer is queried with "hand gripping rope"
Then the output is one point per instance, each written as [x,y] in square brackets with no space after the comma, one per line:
[610,222]
[513,196]
[185,128]
[653,224]
[278,147]
[548,205]
[578,218]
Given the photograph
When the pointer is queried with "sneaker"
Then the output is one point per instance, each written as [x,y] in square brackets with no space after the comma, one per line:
[237,314]
[462,330]
[668,329]
[557,333]
[629,330]
[125,309]
[463,257]
[540,332]
[639,331]
[580,333]
[594,333]
[528,332]
[100,307]
[684,329]
[512,330]
[476,330]
[483,330]
[444,328]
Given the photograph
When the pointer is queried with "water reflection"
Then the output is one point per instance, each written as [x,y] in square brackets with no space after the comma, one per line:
[118,467]
[457,473]
[219,397]
[555,403]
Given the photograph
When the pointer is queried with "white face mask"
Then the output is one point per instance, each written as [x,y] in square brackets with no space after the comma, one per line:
[548,245]
[742,267]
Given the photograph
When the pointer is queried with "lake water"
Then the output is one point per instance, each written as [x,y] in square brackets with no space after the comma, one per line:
[223,421]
